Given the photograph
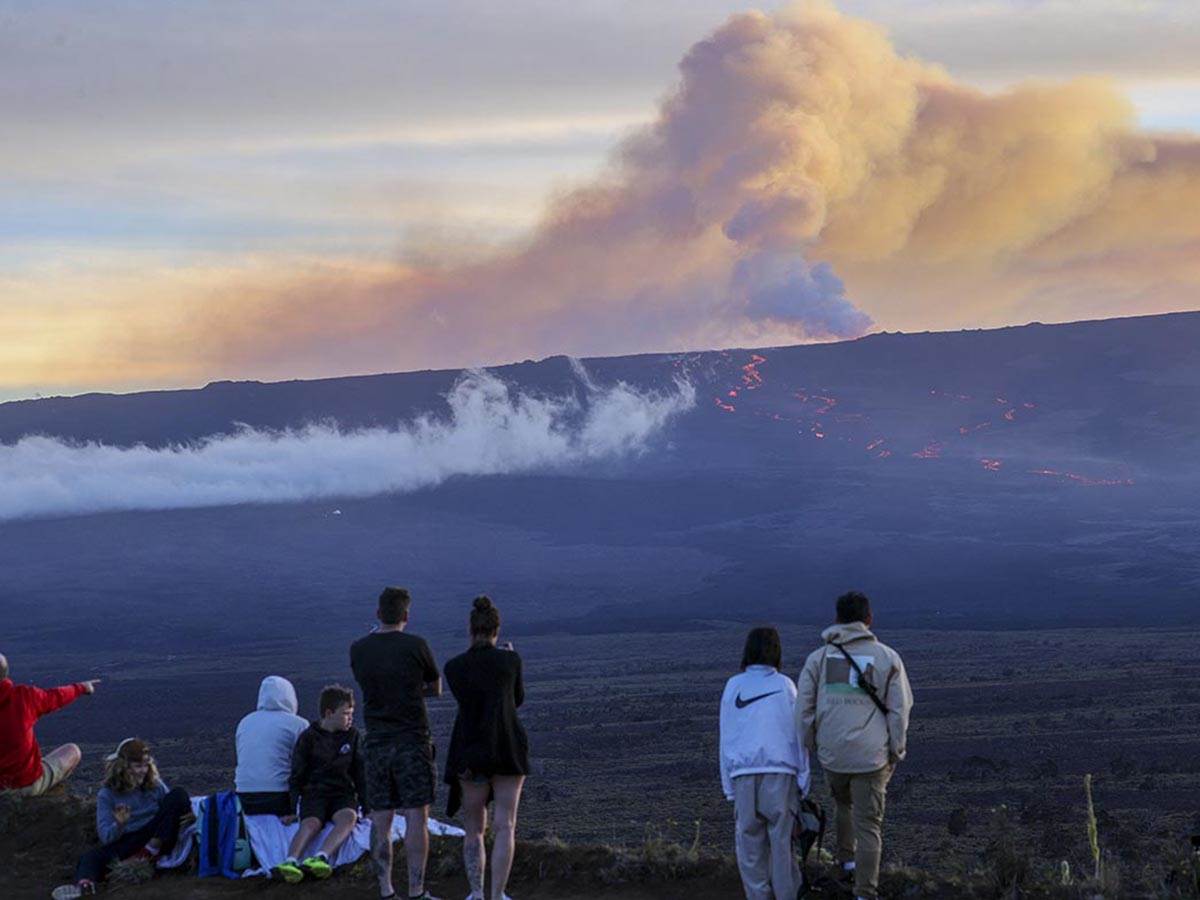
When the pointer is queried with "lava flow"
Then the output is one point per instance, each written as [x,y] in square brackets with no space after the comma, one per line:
[751,377]
[751,380]
[818,414]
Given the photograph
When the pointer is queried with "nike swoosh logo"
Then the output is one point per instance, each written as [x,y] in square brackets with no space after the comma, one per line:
[742,704]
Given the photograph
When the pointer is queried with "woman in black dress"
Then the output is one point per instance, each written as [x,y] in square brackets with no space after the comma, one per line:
[489,753]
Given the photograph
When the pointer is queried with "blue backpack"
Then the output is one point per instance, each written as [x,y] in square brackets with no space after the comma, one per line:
[224,847]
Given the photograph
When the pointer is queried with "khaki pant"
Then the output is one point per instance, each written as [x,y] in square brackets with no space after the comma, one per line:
[860,801]
[51,776]
[765,808]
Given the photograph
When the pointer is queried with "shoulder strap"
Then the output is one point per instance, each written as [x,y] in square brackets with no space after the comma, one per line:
[862,679]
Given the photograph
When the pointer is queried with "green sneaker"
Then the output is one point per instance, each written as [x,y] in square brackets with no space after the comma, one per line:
[317,867]
[289,871]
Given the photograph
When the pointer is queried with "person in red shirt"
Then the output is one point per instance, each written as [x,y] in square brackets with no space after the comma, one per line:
[23,768]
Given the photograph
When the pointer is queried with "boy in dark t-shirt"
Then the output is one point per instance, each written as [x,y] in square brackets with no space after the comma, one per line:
[396,672]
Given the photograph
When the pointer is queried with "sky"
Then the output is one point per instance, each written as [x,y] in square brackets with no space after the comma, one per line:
[198,191]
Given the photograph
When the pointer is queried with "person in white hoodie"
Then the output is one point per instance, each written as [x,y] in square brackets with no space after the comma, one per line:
[764,770]
[265,739]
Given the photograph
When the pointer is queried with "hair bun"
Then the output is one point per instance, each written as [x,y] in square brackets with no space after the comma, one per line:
[483,603]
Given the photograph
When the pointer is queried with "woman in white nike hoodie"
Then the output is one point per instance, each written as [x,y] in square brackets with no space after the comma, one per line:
[764,770]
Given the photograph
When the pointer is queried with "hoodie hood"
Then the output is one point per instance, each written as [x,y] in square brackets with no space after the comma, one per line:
[848,631]
[277,693]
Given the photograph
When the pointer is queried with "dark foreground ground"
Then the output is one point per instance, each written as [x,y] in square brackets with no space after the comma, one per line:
[31,841]
[624,731]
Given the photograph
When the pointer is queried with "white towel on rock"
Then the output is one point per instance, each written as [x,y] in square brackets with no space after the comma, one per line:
[270,839]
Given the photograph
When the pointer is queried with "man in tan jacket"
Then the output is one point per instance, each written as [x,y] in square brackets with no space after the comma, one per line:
[852,711]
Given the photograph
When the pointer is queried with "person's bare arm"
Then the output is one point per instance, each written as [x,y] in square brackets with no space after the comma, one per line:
[432,688]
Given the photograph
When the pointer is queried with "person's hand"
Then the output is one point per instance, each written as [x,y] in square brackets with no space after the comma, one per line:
[121,813]
[186,819]
[287,820]
[89,686]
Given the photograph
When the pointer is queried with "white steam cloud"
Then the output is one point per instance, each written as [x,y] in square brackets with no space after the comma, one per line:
[491,430]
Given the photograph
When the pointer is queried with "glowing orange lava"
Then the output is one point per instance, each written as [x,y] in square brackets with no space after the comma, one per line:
[751,377]
[815,408]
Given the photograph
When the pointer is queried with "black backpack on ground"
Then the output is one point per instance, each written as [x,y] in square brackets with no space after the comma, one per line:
[811,820]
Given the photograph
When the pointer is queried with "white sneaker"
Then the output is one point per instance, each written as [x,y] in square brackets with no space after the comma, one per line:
[73,891]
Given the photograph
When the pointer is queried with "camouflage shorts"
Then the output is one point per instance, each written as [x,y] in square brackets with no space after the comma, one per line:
[400,773]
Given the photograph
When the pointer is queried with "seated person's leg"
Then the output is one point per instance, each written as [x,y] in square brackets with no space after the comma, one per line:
[344,821]
[93,865]
[310,825]
[172,810]
[60,763]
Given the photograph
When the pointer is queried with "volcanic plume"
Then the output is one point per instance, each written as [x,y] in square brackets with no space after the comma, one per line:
[802,180]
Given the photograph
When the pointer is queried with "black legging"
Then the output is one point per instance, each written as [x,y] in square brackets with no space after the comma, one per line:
[93,865]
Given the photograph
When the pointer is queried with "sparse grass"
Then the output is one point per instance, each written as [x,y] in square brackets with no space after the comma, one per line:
[1093,829]
[124,874]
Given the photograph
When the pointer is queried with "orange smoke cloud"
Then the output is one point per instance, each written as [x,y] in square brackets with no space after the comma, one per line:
[802,181]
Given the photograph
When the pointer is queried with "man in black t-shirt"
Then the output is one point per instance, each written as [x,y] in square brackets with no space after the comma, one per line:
[396,672]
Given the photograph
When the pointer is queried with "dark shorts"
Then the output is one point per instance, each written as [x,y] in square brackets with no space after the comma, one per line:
[315,805]
[400,773]
[266,803]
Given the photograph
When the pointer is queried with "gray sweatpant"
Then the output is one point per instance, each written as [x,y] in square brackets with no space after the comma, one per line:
[765,808]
